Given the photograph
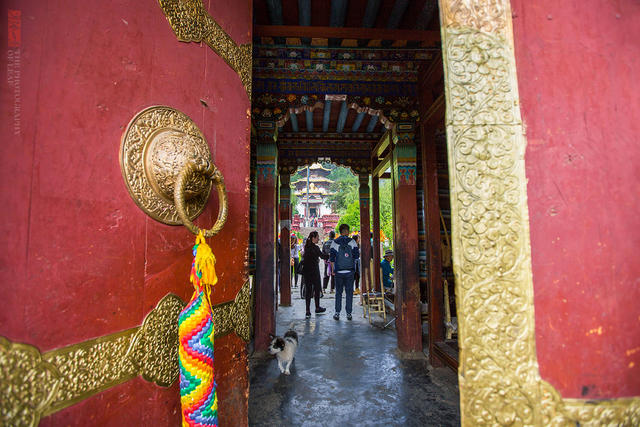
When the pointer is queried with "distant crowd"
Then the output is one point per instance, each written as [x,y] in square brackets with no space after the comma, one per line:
[342,269]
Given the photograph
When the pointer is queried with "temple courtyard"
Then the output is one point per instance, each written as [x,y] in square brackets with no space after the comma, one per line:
[348,373]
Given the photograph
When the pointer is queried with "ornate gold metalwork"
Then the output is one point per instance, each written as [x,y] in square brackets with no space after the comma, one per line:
[34,384]
[212,174]
[153,349]
[90,367]
[498,375]
[191,22]
[156,146]
[28,384]
[235,316]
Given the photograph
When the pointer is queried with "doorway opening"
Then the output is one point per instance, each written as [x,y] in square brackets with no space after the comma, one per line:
[371,99]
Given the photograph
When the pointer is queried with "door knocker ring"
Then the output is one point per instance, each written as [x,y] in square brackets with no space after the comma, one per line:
[166,165]
[211,172]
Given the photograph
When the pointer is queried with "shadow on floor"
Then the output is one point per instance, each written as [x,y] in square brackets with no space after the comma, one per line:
[347,373]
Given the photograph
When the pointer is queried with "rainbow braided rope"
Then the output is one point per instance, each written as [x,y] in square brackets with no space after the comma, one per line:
[196,332]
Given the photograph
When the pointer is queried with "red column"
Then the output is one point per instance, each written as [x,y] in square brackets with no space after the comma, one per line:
[285,246]
[406,273]
[265,321]
[432,226]
[365,233]
[375,209]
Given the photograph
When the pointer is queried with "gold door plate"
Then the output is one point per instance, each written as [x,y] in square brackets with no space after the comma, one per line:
[36,384]
[156,145]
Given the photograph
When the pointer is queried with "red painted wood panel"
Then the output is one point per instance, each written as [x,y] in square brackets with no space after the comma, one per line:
[265,316]
[578,66]
[79,259]
[407,296]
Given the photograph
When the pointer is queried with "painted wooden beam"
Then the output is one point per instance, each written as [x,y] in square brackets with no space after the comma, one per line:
[294,121]
[358,122]
[302,139]
[372,124]
[304,18]
[284,207]
[265,321]
[375,210]
[369,138]
[369,18]
[382,165]
[319,144]
[435,112]
[405,248]
[365,233]
[304,12]
[309,117]
[275,12]
[399,8]
[342,118]
[431,37]
[371,13]
[426,15]
[338,13]
[337,18]
[381,146]
[327,116]
[432,228]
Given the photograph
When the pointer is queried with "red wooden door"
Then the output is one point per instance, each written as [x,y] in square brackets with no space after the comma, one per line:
[79,259]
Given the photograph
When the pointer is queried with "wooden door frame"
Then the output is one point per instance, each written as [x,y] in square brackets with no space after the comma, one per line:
[499,377]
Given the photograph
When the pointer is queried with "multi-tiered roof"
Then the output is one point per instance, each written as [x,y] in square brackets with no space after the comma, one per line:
[319,185]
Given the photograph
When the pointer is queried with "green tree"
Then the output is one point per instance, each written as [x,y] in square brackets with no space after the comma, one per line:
[348,203]
[300,173]
[294,201]
[386,208]
[344,187]
[351,217]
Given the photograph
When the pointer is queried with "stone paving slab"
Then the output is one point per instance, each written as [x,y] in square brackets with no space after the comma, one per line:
[348,373]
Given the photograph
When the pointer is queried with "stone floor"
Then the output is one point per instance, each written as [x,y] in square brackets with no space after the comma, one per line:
[347,373]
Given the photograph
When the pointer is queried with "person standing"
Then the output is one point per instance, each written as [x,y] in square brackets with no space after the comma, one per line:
[356,277]
[295,255]
[344,253]
[311,272]
[387,271]
[328,272]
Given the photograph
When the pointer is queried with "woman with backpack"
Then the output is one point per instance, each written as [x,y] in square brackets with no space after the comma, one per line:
[311,272]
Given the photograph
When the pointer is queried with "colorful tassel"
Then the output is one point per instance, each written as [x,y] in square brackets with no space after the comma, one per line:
[196,331]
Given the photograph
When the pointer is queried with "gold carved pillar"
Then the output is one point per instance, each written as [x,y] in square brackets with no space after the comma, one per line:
[498,375]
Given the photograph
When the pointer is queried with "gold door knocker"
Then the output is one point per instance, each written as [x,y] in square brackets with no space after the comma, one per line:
[211,172]
[166,165]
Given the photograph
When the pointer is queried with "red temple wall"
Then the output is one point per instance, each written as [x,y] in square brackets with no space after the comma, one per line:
[578,65]
[79,259]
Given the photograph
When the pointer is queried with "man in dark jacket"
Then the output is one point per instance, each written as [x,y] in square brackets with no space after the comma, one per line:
[343,256]
[326,249]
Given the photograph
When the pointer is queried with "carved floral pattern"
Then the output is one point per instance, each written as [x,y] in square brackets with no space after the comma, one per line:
[34,384]
[27,384]
[153,349]
[490,16]
[499,376]
[478,70]
[191,22]
[90,367]
[157,140]
[235,316]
